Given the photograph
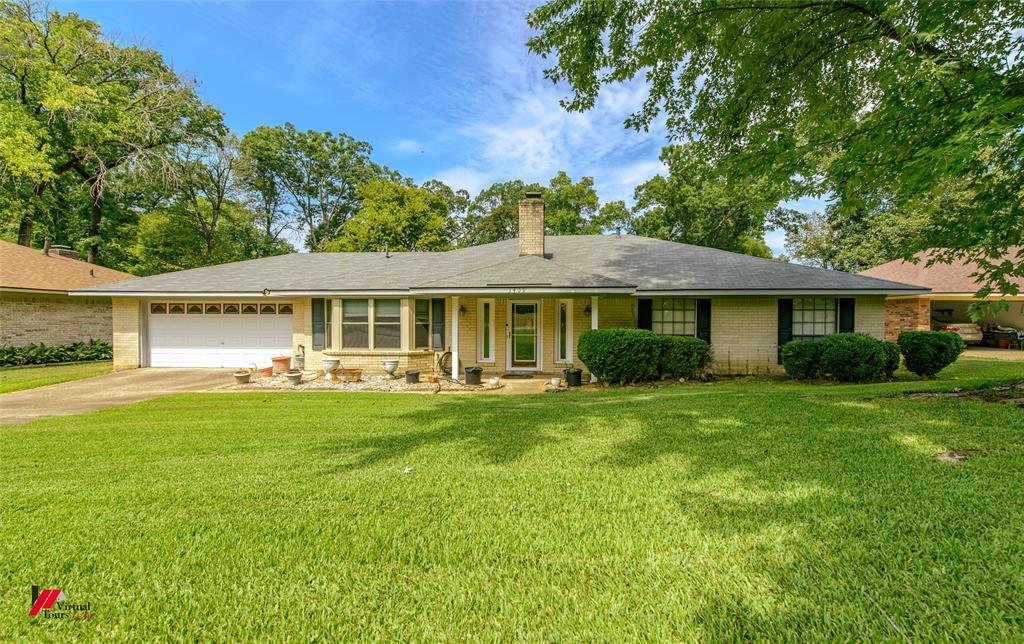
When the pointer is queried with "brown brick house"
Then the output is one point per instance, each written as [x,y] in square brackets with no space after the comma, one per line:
[517,305]
[953,289]
[34,302]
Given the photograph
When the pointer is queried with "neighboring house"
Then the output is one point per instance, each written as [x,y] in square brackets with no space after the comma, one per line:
[953,287]
[34,302]
[515,305]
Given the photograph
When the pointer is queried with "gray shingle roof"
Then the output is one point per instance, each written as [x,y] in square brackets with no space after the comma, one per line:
[608,262]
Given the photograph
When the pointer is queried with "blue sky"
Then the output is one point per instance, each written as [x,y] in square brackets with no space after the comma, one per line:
[441,90]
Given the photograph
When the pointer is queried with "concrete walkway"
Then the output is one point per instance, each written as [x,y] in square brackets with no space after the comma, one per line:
[992,353]
[122,388]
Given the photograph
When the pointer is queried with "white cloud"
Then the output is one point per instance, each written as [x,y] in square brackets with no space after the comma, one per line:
[408,146]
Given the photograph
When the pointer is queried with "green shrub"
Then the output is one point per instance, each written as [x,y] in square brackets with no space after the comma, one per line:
[801,359]
[852,357]
[43,354]
[892,358]
[926,353]
[682,356]
[620,355]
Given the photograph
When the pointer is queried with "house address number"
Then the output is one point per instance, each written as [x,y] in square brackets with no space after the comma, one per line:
[517,289]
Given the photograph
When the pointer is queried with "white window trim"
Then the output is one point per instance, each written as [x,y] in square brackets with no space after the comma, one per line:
[480,331]
[568,330]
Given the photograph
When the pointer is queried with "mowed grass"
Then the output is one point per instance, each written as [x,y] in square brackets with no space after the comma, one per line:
[32,377]
[713,511]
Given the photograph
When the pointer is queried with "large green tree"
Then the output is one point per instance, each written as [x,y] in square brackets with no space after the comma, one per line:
[697,204]
[570,208]
[398,217]
[876,99]
[310,178]
[75,101]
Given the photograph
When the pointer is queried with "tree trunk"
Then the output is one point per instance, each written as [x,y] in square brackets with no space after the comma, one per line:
[25,229]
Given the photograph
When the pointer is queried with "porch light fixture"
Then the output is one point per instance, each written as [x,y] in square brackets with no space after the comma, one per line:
[586,309]
[462,310]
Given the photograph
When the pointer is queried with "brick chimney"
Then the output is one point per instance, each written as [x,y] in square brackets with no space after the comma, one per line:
[531,225]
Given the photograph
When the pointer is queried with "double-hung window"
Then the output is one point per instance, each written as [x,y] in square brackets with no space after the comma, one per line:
[387,324]
[355,324]
[813,317]
[422,324]
[674,316]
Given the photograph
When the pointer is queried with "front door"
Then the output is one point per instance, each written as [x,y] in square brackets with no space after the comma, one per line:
[524,335]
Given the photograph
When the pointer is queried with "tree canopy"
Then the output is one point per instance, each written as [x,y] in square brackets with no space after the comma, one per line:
[866,100]
[397,217]
[695,204]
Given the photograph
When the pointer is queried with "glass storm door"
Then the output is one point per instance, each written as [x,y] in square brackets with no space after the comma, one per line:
[524,335]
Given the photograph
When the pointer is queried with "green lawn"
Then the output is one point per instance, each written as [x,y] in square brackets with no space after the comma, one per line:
[721,511]
[31,377]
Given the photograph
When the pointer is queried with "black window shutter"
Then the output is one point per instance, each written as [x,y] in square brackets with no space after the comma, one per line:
[846,315]
[318,324]
[643,314]
[437,321]
[785,323]
[704,320]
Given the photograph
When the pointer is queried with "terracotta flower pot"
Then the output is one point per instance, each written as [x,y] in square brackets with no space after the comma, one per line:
[282,364]
[1003,343]
[348,375]
[266,372]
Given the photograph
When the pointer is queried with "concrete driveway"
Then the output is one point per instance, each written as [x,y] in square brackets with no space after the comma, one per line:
[116,389]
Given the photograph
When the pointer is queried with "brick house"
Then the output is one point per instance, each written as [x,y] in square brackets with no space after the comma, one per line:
[34,303]
[953,289]
[514,305]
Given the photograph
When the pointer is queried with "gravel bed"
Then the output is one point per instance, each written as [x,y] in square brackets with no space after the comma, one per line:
[311,382]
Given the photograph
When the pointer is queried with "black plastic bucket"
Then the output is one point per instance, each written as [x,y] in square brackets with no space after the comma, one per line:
[473,375]
[573,377]
[412,377]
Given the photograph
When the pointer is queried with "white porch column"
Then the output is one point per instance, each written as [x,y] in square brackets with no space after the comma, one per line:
[593,323]
[455,337]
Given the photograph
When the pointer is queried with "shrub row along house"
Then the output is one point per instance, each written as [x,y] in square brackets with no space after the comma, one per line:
[514,305]
[34,303]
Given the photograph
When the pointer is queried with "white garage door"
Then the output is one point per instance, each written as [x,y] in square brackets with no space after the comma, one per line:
[218,340]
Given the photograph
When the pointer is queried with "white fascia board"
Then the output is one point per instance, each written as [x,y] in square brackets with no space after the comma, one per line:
[523,290]
[342,293]
[41,291]
[791,291]
[172,295]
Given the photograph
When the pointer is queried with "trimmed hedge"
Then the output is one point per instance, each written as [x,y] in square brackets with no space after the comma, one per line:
[846,357]
[682,356]
[926,353]
[43,354]
[852,357]
[620,355]
[892,358]
[633,355]
[802,359]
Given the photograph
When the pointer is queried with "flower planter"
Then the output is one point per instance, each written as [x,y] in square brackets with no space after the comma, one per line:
[243,377]
[282,364]
[556,382]
[412,377]
[348,375]
[266,372]
[294,377]
[1003,343]
[573,377]
[473,375]
[389,367]
[432,379]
